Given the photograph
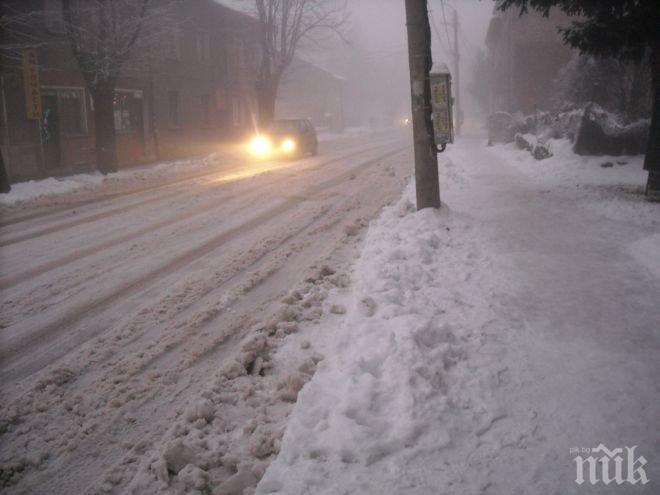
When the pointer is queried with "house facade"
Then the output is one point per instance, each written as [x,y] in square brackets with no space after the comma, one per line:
[309,91]
[179,95]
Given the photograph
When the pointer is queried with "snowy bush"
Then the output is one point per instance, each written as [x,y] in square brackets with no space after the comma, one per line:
[603,133]
[619,86]
[531,143]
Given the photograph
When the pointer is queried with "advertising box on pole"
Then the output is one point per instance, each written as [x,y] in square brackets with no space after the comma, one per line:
[441,100]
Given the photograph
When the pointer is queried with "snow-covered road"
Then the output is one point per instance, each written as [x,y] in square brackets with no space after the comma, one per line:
[129,305]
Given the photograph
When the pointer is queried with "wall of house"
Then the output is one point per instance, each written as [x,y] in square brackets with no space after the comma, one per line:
[177,97]
[307,91]
[207,73]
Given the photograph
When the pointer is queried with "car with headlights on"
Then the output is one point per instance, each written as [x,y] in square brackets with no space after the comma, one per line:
[286,138]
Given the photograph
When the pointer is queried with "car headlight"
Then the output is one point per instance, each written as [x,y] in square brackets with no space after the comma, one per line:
[288,145]
[261,146]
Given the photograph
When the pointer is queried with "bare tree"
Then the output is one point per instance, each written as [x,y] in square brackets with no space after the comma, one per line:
[101,34]
[284,24]
[107,38]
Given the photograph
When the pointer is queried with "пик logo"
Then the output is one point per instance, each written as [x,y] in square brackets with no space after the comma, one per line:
[611,465]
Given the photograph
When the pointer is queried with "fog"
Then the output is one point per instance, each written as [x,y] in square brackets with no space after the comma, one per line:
[230,265]
[374,56]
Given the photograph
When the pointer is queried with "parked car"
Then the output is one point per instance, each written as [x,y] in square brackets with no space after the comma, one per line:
[287,138]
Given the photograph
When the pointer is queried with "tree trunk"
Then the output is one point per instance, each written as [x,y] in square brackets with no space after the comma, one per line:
[266,96]
[153,121]
[652,157]
[104,123]
[419,56]
[5,187]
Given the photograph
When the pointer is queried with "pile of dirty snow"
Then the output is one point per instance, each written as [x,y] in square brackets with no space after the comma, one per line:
[36,189]
[391,395]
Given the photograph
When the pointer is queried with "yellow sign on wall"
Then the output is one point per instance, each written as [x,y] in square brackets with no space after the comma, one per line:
[31,83]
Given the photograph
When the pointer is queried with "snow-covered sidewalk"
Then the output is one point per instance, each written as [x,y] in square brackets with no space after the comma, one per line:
[479,345]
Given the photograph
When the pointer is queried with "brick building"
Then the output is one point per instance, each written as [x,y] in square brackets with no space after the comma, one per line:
[178,97]
[525,56]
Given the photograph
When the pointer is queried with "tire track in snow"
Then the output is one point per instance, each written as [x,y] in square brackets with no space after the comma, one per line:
[75,256]
[14,351]
[48,293]
[126,208]
[51,211]
[232,278]
[149,394]
[55,210]
[81,221]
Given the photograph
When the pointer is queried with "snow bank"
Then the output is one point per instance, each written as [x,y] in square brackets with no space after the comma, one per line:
[386,394]
[436,379]
[52,187]
[35,189]
[223,440]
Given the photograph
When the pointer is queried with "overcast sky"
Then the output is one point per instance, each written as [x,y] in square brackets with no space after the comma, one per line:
[379,28]
[382,22]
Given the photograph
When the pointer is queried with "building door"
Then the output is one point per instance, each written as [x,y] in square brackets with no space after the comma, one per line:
[50,132]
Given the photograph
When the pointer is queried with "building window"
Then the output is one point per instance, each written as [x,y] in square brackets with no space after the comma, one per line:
[250,56]
[240,55]
[205,109]
[53,16]
[222,55]
[236,56]
[128,111]
[235,112]
[71,109]
[69,106]
[71,113]
[173,108]
[173,43]
[203,40]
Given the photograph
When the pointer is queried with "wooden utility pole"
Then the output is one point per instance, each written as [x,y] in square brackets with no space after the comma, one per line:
[420,61]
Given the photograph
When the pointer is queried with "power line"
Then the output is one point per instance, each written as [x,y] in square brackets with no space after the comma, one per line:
[446,50]
[444,18]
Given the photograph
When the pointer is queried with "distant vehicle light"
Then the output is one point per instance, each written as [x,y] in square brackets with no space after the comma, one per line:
[261,146]
[288,145]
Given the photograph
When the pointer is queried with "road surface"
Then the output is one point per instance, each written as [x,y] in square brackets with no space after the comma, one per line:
[116,309]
